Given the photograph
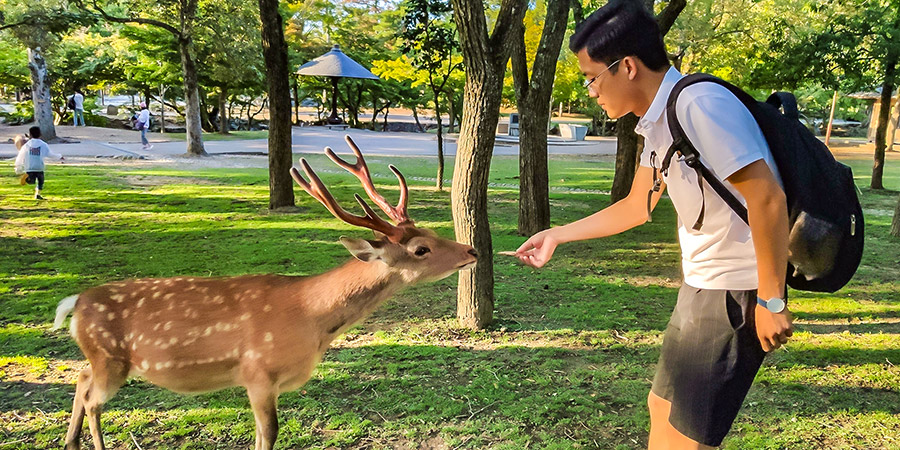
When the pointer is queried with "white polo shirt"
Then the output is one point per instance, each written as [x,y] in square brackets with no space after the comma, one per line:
[720,255]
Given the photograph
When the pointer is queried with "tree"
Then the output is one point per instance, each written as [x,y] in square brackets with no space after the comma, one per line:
[183,32]
[281,189]
[484,56]
[38,27]
[428,38]
[533,101]
[627,143]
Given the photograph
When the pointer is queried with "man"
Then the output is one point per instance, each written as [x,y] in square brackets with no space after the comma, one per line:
[719,332]
[78,107]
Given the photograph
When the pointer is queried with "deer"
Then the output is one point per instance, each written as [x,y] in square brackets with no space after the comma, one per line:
[266,333]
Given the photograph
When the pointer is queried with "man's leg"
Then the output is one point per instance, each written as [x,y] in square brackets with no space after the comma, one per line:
[662,434]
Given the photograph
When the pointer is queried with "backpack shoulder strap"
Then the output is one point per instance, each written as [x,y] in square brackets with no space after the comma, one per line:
[681,144]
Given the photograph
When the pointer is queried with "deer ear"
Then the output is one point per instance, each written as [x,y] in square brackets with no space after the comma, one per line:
[362,249]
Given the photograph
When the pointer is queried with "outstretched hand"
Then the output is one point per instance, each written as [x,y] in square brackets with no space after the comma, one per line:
[537,250]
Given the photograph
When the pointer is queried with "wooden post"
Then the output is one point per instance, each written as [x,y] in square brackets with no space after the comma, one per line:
[831,118]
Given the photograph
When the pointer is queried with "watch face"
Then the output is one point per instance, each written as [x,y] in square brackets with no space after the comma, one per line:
[775,305]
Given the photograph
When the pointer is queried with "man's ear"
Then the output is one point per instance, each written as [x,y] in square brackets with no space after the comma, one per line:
[362,249]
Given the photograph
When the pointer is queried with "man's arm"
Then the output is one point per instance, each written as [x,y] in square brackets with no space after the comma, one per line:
[623,215]
[768,217]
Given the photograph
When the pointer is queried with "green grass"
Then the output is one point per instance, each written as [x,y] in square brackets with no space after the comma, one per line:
[567,364]
[231,136]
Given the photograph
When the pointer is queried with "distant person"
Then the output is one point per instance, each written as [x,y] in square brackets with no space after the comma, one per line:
[143,123]
[31,160]
[76,102]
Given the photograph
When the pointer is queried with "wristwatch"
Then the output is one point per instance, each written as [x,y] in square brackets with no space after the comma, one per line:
[774,305]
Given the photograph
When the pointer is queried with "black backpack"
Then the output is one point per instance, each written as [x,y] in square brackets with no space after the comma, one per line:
[825,217]
[70,104]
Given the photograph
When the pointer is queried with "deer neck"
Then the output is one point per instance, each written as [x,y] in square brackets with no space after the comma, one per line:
[352,291]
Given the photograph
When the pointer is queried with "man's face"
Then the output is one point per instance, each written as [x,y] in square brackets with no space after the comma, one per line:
[606,87]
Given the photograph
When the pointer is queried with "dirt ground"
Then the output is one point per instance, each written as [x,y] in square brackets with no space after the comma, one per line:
[68,132]
[840,146]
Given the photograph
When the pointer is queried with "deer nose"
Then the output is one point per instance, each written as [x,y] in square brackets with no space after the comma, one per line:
[473,252]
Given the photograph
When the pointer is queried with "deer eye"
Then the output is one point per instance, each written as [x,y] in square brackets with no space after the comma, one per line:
[421,251]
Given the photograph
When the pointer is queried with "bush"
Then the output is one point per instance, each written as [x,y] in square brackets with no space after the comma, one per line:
[24,114]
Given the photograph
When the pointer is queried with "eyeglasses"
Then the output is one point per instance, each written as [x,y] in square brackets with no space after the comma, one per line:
[587,83]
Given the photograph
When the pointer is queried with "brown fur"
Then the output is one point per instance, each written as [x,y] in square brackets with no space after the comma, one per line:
[263,332]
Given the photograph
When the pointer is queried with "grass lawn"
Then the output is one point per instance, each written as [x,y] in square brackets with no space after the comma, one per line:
[231,136]
[567,364]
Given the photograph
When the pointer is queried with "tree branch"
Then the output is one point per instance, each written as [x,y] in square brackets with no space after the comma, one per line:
[667,17]
[140,20]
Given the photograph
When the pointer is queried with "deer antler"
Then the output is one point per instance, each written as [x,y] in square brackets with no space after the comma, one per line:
[371,220]
[397,213]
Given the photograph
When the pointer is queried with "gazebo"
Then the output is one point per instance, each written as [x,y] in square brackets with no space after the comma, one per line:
[335,64]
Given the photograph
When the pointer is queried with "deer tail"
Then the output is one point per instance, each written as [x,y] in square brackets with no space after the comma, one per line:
[65,307]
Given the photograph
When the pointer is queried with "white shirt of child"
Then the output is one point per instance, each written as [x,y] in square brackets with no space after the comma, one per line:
[720,255]
[35,150]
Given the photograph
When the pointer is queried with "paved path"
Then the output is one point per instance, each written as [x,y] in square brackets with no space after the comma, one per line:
[315,139]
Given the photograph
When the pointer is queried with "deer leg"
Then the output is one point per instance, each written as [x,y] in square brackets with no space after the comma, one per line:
[73,436]
[263,401]
[108,377]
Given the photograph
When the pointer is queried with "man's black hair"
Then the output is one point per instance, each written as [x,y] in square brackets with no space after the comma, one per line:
[34,132]
[618,29]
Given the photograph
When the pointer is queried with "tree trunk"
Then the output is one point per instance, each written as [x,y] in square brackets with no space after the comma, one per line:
[191,93]
[533,98]
[296,102]
[884,114]
[223,111]
[627,144]
[485,60]
[40,94]
[416,117]
[281,189]
[895,221]
[440,138]
[452,111]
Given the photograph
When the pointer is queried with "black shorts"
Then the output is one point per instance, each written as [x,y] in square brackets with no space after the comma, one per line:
[710,355]
[36,177]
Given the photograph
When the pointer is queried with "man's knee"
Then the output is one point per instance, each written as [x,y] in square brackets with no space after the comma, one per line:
[657,404]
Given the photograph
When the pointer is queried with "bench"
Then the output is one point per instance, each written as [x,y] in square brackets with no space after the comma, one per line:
[339,127]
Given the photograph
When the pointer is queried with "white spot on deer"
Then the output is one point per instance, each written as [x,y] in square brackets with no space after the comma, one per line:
[169,296]
[156,294]
[158,342]
[245,316]
[114,342]
[118,298]
[111,316]
[158,366]
[267,308]
[167,326]
[140,303]
[207,331]
[219,299]
[250,354]
[100,307]
[268,337]
[134,346]
[145,365]
[140,338]
[156,327]
[169,364]
[173,341]
[125,313]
